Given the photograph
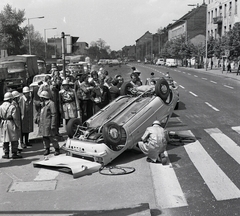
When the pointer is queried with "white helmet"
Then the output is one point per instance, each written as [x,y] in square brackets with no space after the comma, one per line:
[8,96]
[156,122]
[25,89]
[45,94]
[15,94]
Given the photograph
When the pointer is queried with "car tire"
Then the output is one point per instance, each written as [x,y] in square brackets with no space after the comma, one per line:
[114,135]
[125,88]
[72,125]
[162,89]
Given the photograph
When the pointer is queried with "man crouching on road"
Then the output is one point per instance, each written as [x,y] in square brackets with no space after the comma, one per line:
[47,124]
[154,142]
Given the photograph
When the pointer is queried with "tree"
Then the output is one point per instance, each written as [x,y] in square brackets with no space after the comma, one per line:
[11,34]
[234,40]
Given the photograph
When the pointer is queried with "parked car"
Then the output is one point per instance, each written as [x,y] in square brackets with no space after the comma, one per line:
[114,62]
[171,62]
[160,61]
[115,128]
[34,86]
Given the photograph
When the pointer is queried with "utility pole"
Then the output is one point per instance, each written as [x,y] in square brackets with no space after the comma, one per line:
[63,53]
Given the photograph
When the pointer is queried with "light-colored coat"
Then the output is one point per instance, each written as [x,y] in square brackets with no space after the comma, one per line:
[26,107]
[47,123]
[9,125]
[154,141]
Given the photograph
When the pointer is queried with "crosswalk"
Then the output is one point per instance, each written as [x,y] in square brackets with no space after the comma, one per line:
[167,185]
[202,156]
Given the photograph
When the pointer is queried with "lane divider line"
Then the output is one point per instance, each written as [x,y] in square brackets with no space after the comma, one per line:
[214,108]
[193,94]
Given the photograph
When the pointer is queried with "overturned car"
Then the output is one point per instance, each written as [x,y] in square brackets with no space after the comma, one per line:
[117,127]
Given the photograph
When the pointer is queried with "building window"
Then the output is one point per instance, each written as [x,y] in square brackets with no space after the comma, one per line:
[211,16]
[225,30]
[220,11]
[230,8]
[230,27]
[215,33]
[208,17]
[236,8]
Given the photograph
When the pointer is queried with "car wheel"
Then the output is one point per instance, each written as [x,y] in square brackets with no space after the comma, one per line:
[125,88]
[162,89]
[114,135]
[72,126]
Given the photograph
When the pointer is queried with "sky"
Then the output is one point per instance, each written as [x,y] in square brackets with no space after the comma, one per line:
[118,22]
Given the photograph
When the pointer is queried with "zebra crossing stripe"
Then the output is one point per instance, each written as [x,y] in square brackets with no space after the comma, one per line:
[237,129]
[217,181]
[226,143]
[168,191]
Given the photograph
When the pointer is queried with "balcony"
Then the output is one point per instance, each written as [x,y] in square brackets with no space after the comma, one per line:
[217,20]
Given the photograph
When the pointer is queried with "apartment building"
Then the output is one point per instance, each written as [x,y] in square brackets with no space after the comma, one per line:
[221,16]
[192,26]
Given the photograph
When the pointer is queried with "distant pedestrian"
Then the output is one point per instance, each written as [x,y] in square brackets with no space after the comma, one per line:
[9,126]
[238,70]
[229,67]
[47,124]
[26,107]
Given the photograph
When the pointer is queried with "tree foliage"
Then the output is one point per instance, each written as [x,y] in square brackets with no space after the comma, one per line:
[11,34]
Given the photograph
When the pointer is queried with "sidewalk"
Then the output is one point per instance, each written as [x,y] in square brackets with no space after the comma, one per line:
[216,71]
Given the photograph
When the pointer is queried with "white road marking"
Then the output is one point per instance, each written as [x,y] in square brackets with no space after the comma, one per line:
[237,129]
[195,76]
[225,142]
[193,94]
[204,78]
[217,181]
[184,72]
[189,74]
[214,108]
[181,86]
[168,191]
[228,86]
[213,82]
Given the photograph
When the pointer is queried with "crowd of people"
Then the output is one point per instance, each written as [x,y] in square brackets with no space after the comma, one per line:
[57,98]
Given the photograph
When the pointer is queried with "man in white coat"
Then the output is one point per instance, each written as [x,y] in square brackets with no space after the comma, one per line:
[9,127]
[153,143]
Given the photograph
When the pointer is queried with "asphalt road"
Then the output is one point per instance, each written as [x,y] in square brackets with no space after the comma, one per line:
[201,178]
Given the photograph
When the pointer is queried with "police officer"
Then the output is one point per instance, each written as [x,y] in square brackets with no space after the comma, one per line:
[153,143]
[47,124]
[26,106]
[9,127]
[16,95]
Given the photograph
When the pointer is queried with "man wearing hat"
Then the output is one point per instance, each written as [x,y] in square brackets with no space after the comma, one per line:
[9,127]
[67,102]
[153,143]
[26,107]
[47,124]
[16,95]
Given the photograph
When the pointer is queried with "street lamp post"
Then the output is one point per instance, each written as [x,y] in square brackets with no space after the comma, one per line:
[29,40]
[46,41]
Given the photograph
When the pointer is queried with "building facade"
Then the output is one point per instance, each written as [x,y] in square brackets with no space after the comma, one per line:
[192,26]
[221,16]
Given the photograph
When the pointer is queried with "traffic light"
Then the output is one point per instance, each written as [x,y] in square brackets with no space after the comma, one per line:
[71,44]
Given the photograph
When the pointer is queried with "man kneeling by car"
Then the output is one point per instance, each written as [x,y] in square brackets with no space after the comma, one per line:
[153,143]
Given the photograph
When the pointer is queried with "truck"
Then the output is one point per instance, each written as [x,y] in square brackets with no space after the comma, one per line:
[3,76]
[21,70]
